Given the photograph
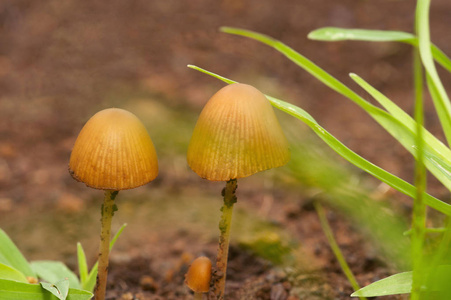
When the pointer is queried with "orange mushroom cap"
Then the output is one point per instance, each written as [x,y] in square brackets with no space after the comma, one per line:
[113,152]
[237,134]
[199,275]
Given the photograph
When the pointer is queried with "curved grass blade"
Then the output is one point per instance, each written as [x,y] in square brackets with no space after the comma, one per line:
[82,264]
[331,34]
[9,273]
[404,135]
[90,281]
[437,160]
[400,283]
[335,248]
[10,255]
[13,290]
[436,88]
[390,179]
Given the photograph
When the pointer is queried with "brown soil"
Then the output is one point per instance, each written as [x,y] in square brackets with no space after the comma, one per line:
[61,61]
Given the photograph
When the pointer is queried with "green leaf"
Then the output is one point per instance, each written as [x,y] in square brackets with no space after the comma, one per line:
[13,290]
[60,289]
[52,271]
[9,273]
[10,255]
[348,154]
[82,264]
[400,283]
[91,279]
[343,34]
[331,34]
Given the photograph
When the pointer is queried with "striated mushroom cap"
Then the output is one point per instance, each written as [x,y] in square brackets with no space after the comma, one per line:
[199,275]
[113,152]
[237,134]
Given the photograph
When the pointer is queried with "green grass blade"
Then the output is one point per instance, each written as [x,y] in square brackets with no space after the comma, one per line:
[91,279]
[400,283]
[82,264]
[9,273]
[419,208]
[390,179]
[406,136]
[10,255]
[436,153]
[331,34]
[335,248]
[53,271]
[13,290]
[436,88]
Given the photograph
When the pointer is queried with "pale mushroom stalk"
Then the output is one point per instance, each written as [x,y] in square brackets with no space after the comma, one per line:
[113,152]
[224,238]
[108,209]
[237,135]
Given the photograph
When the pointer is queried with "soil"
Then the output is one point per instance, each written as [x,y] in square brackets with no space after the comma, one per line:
[62,61]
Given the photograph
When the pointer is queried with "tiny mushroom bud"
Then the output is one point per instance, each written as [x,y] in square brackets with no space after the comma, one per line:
[113,152]
[198,276]
[237,134]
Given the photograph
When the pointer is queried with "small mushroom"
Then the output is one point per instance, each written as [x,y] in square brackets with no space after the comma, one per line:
[198,276]
[113,152]
[237,134]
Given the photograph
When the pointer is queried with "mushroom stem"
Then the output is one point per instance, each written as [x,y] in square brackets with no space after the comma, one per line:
[108,209]
[224,227]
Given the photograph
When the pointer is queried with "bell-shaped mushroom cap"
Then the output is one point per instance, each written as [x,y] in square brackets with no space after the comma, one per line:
[237,134]
[113,152]
[199,275]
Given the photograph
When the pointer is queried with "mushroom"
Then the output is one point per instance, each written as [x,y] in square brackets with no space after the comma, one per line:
[113,152]
[237,134]
[198,276]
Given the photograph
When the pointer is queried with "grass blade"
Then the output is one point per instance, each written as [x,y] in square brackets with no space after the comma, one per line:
[331,34]
[406,136]
[82,264]
[13,290]
[400,283]
[390,179]
[437,163]
[335,248]
[10,255]
[436,88]
[9,273]
[90,281]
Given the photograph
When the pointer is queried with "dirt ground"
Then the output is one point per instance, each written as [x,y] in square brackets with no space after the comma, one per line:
[62,61]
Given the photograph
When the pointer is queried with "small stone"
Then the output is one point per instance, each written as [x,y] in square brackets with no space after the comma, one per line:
[127,296]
